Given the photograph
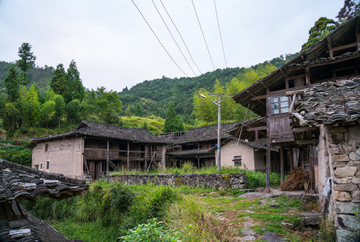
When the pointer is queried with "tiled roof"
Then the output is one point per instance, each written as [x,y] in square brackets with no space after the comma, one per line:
[207,133]
[331,102]
[17,181]
[87,128]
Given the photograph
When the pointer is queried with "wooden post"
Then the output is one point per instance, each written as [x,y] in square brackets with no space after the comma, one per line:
[268,145]
[291,156]
[198,161]
[282,163]
[312,172]
[107,157]
[128,157]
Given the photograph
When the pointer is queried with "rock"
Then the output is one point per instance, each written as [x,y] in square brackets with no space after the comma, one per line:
[342,196]
[349,222]
[356,180]
[345,236]
[310,219]
[271,237]
[310,198]
[346,207]
[357,151]
[342,180]
[357,174]
[356,196]
[345,187]
[354,156]
[346,171]
[248,238]
[340,158]
[333,151]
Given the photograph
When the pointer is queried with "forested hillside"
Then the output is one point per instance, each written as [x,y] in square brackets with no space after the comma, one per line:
[155,95]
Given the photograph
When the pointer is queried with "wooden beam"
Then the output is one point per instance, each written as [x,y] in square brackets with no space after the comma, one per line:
[307,142]
[331,53]
[296,77]
[304,129]
[286,83]
[128,157]
[256,128]
[345,46]
[291,159]
[107,156]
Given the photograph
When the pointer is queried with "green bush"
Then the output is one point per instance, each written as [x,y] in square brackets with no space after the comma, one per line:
[16,154]
[160,199]
[152,230]
[121,198]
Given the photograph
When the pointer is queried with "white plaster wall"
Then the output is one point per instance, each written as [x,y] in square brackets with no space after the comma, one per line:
[231,149]
[323,161]
[65,157]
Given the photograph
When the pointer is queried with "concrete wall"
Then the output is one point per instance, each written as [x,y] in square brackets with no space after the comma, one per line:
[215,181]
[64,156]
[231,149]
[342,159]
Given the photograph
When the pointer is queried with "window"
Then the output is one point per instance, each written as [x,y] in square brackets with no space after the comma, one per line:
[46,147]
[237,160]
[47,164]
[279,104]
[37,167]
[40,166]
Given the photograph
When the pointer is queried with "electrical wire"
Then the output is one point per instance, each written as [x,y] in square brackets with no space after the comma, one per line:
[188,51]
[158,38]
[172,36]
[222,44]
[212,62]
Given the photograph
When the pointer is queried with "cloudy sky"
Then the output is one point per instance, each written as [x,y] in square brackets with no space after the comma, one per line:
[113,46]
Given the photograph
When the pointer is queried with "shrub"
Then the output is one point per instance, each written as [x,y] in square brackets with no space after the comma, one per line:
[160,199]
[16,154]
[121,198]
[152,230]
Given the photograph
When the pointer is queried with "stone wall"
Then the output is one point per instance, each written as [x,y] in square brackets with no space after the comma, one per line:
[215,181]
[343,145]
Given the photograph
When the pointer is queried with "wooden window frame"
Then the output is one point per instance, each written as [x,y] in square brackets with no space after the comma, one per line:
[278,105]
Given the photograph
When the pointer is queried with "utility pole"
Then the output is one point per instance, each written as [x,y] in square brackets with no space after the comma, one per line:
[218,103]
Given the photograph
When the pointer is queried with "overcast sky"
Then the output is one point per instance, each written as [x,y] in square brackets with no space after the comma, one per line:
[113,47]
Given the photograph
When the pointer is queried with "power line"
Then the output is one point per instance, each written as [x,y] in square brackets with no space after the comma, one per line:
[222,44]
[212,62]
[158,38]
[180,37]
[172,37]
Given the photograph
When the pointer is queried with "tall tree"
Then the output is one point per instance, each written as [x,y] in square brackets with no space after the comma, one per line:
[76,88]
[33,96]
[10,118]
[24,108]
[349,10]
[59,82]
[139,110]
[171,122]
[12,85]
[322,27]
[73,111]
[59,108]
[26,61]
[47,113]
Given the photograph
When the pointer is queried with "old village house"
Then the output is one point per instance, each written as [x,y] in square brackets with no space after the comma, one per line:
[92,150]
[322,134]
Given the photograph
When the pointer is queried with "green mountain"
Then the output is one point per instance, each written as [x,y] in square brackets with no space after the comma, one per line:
[41,76]
[155,95]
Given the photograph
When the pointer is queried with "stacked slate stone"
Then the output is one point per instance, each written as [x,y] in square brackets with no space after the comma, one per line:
[21,182]
[331,102]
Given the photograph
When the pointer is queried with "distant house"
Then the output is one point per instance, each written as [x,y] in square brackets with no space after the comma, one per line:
[19,182]
[92,149]
[199,146]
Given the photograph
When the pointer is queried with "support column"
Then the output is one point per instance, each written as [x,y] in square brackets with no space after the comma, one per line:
[282,163]
[268,161]
[128,157]
[107,157]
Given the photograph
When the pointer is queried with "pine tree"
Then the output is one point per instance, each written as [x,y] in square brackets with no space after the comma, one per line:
[26,62]
[59,82]
[12,85]
[76,88]
[171,122]
[59,108]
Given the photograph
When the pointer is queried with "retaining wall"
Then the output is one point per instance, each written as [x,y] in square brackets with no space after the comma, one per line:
[214,181]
